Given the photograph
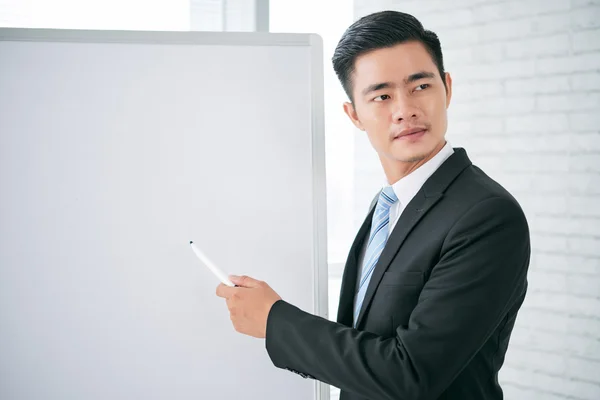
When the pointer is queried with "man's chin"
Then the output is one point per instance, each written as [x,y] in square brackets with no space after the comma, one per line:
[410,156]
[414,158]
[414,153]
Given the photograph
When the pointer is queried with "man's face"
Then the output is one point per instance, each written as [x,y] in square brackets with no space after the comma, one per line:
[400,101]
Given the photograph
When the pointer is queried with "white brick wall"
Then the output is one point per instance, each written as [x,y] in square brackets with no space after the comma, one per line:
[526,107]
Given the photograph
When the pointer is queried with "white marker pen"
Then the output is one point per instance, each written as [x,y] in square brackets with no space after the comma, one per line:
[218,273]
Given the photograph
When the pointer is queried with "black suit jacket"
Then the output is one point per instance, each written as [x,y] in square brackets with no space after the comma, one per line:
[440,305]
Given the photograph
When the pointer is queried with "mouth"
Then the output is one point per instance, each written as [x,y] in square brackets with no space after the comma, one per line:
[409,134]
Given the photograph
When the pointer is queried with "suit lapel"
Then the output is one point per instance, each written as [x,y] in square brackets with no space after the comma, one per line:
[431,192]
[348,289]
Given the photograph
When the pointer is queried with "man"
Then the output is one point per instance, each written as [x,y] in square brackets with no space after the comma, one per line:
[437,272]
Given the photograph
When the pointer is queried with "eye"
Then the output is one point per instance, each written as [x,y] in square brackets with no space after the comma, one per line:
[381,98]
[422,87]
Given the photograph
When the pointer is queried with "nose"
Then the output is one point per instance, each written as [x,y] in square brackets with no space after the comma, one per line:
[404,110]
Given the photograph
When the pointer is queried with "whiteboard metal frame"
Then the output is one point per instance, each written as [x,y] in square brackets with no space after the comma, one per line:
[313,41]
[167,37]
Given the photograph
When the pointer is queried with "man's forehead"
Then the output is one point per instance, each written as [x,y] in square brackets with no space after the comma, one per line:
[402,56]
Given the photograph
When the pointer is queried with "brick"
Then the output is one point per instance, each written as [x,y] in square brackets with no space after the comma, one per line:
[549,242]
[490,164]
[456,57]
[583,286]
[559,385]
[586,40]
[538,203]
[457,138]
[536,143]
[585,18]
[495,106]
[585,81]
[537,162]
[541,361]
[582,183]
[584,3]
[556,342]
[513,9]
[585,163]
[515,182]
[553,84]
[583,369]
[555,45]
[498,11]
[518,391]
[449,18]
[483,146]
[585,121]
[571,64]
[585,206]
[585,142]
[573,264]
[583,346]
[510,375]
[521,145]
[474,126]
[565,303]
[474,91]
[504,30]
[551,23]
[545,6]
[540,319]
[427,6]
[564,386]
[548,281]
[458,37]
[584,326]
[543,123]
[586,246]
[503,70]
[488,53]
[568,102]
[585,306]
[569,225]
[550,183]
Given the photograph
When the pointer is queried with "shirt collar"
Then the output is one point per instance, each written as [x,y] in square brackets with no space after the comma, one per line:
[407,187]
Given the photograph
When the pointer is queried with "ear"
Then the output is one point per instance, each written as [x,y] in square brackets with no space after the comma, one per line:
[351,113]
[448,89]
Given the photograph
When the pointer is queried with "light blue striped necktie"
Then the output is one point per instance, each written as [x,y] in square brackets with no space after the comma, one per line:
[377,241]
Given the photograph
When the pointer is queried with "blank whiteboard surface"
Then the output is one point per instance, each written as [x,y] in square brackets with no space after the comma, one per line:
[116,150]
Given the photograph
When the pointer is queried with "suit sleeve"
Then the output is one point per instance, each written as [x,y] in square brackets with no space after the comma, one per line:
[480,274]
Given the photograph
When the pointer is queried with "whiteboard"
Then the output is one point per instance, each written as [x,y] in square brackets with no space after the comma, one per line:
[117,149]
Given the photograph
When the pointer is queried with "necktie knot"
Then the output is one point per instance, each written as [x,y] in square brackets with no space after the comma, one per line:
[387,198]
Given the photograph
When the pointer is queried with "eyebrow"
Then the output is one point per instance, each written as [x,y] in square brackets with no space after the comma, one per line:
[377,86]
[408,80]
[418,76]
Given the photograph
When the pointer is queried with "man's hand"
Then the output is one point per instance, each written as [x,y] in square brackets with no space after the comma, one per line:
[249,304]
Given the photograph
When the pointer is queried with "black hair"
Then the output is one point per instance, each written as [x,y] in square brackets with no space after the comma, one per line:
[382,30]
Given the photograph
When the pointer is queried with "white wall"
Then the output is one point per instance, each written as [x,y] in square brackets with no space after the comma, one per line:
[526,107]
[160,15]
[223,15]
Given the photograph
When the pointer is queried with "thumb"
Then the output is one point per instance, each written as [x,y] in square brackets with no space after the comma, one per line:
[244,281]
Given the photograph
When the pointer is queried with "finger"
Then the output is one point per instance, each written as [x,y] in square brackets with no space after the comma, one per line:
[225,291]
[244,281]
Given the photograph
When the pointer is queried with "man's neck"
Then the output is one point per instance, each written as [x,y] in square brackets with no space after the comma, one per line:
[395,170]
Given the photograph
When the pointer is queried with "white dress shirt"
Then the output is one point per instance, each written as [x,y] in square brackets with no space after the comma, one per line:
[405,189]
